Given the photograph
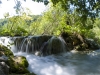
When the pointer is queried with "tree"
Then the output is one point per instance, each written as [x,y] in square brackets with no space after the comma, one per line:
[45,1]
[53,21]
[85,8]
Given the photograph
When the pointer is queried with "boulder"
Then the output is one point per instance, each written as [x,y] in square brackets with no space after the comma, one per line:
[4,67]
[12,64]
[5,51]
[78,42]
[3,58]
[1,71]
[92,44]
[18,65]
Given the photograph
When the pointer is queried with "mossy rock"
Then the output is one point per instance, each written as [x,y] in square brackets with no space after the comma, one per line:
[5,51]
[18,65]
[29,74]
[23,74]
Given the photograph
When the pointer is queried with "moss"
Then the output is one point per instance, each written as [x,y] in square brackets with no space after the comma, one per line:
[24,62]
[29,74]
[23,74]
[5,51]
[18,65]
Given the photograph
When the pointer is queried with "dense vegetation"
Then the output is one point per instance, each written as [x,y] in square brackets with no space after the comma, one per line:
[63,16]
[55,20]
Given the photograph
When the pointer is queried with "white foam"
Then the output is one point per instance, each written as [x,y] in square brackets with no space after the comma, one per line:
[71,63]
[63,64]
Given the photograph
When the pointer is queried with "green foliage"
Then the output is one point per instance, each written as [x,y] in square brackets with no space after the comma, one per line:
[51,21]
[34,27]
[20,25]
[96,29]
[14,27]
[85,8]
[3,22]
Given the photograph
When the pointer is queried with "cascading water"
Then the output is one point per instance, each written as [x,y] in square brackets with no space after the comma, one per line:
[40,45]
[68,63]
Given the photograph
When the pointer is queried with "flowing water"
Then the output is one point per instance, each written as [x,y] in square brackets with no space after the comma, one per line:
[64,64]
[69,63]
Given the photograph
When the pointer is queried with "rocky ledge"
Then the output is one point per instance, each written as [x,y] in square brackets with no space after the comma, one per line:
[79,42]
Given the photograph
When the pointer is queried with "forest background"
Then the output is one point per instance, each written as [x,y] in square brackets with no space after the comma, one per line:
[70,16]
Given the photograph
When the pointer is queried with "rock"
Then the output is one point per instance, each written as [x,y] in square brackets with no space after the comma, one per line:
[1,71]
[18,65]
[38,53]
[3,58]
[5,51]
[12,64]
[78,42]
[92,44]
[4,67]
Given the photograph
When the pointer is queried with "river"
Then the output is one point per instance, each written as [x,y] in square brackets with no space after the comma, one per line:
[71,63]
[67,63]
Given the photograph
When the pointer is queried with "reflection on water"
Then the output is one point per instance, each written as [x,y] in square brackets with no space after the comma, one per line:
[65,64]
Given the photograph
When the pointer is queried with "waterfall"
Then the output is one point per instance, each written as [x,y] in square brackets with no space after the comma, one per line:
[57,60]
[30,44]
[38,45]
[8,42]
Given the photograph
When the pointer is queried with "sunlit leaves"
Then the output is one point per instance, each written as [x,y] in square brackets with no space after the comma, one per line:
[85,8]
[96,28]
[16,26]
[53,20]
